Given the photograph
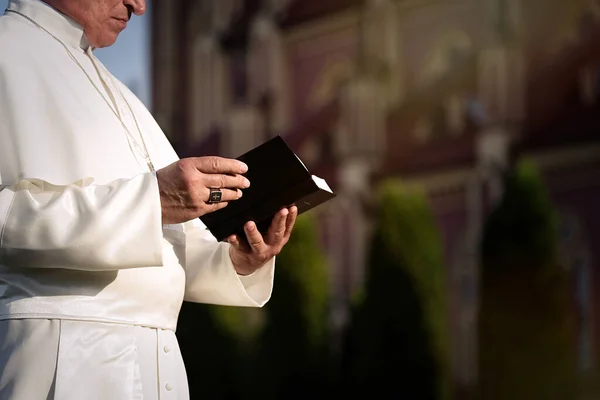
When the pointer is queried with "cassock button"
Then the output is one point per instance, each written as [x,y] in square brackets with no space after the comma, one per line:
[166,349]
[168,387]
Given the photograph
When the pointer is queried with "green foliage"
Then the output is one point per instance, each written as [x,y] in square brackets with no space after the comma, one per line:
[211,351]
[293,349]
[524,225]
[525,320]
[232,349]
[245,323]
[409,229]
[398,341]
[228,351]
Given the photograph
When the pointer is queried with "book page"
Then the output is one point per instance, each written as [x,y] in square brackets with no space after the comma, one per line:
[321,183]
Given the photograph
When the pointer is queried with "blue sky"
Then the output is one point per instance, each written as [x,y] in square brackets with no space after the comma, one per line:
[129,57]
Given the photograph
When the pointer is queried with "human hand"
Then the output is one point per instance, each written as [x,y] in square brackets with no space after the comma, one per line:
[249,256]
[185,185]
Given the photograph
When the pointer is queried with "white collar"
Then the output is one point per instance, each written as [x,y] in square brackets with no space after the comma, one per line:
[58,24]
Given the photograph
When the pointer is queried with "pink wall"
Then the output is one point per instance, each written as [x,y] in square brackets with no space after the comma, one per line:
[309,58]
[418,43]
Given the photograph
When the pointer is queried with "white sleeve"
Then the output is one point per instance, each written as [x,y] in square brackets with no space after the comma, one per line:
[211,277]
[79,226]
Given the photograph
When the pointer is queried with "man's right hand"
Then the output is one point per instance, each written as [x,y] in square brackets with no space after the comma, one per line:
[185,185]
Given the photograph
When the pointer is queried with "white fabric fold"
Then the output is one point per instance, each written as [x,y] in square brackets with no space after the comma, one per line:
[86,227]
[73,360]
[210,272]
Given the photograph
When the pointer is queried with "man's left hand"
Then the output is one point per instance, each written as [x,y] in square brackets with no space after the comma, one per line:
[250,256]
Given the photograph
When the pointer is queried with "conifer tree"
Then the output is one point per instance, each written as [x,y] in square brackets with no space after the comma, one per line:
[398,339]
[293,351]
[526,326]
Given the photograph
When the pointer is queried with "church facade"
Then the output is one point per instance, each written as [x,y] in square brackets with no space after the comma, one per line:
[440,94]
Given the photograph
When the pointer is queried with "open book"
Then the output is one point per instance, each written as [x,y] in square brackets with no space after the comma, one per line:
[278,179]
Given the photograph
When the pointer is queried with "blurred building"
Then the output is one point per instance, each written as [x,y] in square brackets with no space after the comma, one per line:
[441,93]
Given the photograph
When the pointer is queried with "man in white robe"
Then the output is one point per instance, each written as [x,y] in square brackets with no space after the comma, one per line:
[100,240]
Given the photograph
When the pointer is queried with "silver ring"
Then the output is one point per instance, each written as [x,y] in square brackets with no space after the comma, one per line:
[215,196]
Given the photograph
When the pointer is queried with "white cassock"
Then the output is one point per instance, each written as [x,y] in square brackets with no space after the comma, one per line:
[91,282]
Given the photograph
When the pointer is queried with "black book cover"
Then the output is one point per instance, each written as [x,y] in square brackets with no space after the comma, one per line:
[278,179]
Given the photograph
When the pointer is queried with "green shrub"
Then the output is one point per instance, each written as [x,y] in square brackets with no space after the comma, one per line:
[397,342]
[293,351]
[526,324]
[211,350]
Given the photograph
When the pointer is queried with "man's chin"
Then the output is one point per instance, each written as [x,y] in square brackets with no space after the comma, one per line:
[105,41]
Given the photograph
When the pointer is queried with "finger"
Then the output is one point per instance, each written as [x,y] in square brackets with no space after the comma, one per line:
[277,228]
[290,221]
[208,208]
[235,241]
[255,239]
[226,194]
[226,181]
[219,165]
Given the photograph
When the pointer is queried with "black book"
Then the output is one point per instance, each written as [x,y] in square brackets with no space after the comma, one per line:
[278,179]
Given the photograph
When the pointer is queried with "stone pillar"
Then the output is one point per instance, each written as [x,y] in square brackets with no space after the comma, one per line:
[455,109]
[354,182]
[492,149]
[588,84]
[209,94]
[223,12]
[348,230]
[363,128]
[336,251]
[501,77]
[381,47]
[493,146]
[502,65]
[268,71]
[243,130]
[165,54]
[466,368]
[575,255]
